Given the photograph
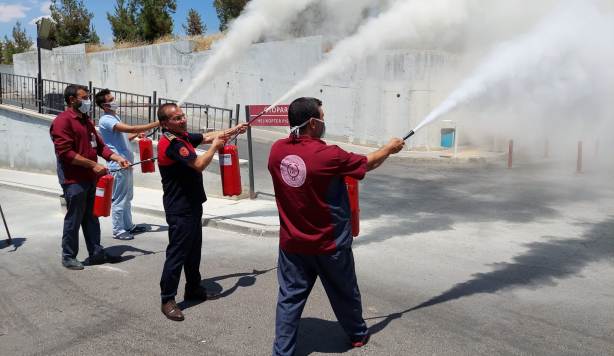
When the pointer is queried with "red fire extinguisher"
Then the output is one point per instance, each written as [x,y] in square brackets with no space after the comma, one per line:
[352,187]
[104,193]
[146,152]
[229,170]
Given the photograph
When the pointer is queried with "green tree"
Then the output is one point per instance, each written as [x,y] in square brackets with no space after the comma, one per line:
[124,21]
[227,10]
[73,22]
[8,50]
[194,24]
[18,44]
[20,39]
[154,18]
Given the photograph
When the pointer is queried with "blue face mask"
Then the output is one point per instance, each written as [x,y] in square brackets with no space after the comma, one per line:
[86,106]
[113,105]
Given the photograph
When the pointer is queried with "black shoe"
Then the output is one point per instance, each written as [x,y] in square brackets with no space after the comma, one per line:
[72,263]
[102,258]
[199,293]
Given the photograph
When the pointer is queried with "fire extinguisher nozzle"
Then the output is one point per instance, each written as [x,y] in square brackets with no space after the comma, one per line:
[410,134]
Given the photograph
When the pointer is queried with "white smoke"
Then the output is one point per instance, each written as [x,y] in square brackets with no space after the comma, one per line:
[405,21]
[258,18]
[331,18]
[559,66]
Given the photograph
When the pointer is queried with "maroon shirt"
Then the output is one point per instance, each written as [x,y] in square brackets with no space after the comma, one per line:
[311,196]
[72,135]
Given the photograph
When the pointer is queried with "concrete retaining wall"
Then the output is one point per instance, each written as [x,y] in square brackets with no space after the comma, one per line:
[27,146]
[6,68]
[385,95]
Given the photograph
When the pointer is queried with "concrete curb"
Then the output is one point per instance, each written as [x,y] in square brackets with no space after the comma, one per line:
[217,222]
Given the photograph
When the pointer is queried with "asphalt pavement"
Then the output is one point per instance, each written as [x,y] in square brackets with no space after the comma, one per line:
[451,260]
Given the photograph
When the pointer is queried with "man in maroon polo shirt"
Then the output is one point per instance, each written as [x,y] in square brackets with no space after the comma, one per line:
[77,147]
[315,237]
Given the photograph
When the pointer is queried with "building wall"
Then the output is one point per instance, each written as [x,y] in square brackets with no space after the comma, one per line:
[385,95]
[6,68]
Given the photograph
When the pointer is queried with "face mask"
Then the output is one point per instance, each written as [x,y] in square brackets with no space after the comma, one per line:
[113,106]
[323,127]
[85,106]
[295,129]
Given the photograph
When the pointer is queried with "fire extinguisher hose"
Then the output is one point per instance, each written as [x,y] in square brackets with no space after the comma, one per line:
[134,164]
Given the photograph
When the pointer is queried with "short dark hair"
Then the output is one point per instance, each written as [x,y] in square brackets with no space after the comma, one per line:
[162,111]
[72,90]
[100,97]
[303,109]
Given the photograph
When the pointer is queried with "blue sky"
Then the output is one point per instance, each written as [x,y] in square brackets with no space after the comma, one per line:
[26,11]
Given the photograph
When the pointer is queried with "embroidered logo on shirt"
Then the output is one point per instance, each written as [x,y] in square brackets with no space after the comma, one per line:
[184,152]
[293,171]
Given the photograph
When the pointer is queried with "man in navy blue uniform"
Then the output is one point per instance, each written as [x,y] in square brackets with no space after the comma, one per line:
[315,237]
[182,182]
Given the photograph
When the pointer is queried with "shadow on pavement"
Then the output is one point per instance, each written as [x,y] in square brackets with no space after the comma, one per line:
[216,291]
[321,336]
[120,250]
[16,243]
[543,264]
[152,228]
[435,200]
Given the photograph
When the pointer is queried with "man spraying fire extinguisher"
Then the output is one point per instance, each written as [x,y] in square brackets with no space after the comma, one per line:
[315,237]
[117,135]
[77,147]
[182,182]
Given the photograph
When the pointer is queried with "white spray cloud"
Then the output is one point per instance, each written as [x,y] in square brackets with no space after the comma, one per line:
[336,18]
[558,65]
[258,18]
[402,23]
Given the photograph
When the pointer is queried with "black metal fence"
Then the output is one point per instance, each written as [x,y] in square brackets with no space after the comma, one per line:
[18,90]
[203,118]
[134,109]
[53,96]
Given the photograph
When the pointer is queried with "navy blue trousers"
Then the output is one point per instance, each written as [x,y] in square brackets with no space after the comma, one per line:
[185,238]
[80,203]
[296,275]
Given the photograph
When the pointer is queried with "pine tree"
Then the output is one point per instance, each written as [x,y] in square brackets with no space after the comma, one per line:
[18,44]
[194,24]
[73,22]
[227,10]
[124,22]
[20,39]
[154,18]
[8,50]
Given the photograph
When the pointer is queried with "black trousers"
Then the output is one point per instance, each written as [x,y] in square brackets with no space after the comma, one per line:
[185,236]
[80,202]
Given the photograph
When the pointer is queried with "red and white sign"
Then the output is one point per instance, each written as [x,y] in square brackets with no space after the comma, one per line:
[277,116]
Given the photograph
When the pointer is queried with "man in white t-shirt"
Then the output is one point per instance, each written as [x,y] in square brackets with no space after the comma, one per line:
[117,135]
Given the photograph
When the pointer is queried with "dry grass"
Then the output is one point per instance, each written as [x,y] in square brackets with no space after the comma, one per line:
[91,48]
[201,43]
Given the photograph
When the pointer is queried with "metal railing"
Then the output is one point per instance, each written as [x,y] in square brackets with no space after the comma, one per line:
[203,118]
[18,90]
[134,109]
[53,96]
